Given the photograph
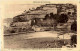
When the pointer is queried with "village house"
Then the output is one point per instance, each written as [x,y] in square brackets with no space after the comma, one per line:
[38,16]
[21,26]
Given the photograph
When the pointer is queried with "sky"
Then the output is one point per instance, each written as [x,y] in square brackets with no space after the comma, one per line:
[11,11]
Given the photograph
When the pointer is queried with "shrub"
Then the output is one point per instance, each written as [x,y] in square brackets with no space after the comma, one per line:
[63,18]
[74,26]
[73,39]
[12,31]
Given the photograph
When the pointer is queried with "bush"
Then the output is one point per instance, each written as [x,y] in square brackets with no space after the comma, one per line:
[63,18]
[12,31]
[74,26]
[73,39]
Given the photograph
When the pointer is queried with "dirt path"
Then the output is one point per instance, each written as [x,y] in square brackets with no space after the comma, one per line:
[53,34]
[30,39]
[42,34]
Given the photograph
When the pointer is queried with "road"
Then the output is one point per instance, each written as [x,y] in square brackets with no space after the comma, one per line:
[32,40]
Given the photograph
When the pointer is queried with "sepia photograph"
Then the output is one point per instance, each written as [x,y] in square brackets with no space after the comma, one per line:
[37,26]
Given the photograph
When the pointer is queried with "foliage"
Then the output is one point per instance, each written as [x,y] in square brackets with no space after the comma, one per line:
[73,39]
[63,18]
[20,18]
[74,26]
[46,16]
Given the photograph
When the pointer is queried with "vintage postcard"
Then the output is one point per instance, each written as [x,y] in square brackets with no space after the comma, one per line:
[40,25]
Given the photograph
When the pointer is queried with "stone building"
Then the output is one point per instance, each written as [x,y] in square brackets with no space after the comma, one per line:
[37,16]
[21,26]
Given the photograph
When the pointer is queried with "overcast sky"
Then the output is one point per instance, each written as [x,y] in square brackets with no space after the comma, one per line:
[13,10]
[16,9]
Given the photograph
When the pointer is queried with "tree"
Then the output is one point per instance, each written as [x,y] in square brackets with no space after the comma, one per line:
[63,18]
[19,18]
[74,26]
[51,15]
[56,16]
[73,39]
[46,17]
[16,19]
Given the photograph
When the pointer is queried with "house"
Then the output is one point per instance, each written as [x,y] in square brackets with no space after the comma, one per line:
[38,16]
[21,26]
[32,16]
